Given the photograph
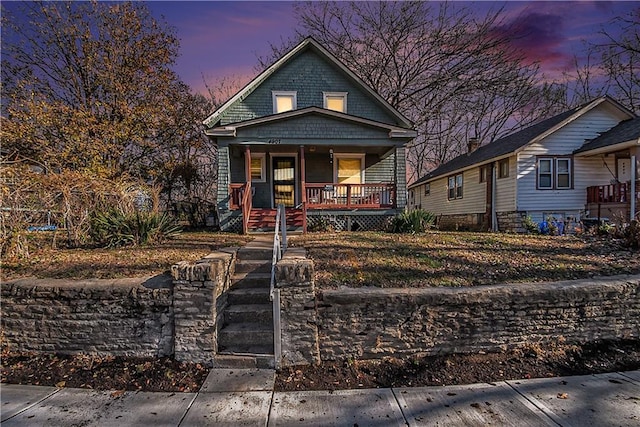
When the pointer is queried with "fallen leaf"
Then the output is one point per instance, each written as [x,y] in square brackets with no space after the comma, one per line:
[116,394]
[61,384]
[563,396]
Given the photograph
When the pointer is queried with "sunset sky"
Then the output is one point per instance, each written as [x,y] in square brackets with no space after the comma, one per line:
[225,38]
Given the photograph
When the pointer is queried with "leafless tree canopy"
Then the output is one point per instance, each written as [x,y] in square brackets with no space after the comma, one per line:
[454,74]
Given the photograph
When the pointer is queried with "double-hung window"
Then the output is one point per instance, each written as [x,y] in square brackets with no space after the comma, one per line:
[554,173]
[336,101]
[455,186]
[284,101]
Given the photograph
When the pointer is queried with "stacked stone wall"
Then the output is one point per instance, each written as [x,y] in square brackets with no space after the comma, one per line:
[374,323]
[510,222]
[127,317]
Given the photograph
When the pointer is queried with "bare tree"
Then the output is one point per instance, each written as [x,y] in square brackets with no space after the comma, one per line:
[454,74]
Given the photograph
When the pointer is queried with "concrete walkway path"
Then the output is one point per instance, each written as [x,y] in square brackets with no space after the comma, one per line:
[246,398]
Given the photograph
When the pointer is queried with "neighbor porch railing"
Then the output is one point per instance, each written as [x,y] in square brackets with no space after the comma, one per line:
[330,195]
[611,193]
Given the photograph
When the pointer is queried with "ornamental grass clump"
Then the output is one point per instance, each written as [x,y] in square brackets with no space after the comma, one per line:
[415,221]
[114,228]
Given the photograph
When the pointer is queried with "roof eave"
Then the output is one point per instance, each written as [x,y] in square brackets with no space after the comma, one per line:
[607,149]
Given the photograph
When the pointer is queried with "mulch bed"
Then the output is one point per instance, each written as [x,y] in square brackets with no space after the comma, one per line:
[167,375]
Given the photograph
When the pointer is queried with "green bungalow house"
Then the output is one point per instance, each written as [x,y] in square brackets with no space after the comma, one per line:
[309,134]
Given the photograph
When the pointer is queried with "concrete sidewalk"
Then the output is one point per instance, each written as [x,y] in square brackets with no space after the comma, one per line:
[246,398]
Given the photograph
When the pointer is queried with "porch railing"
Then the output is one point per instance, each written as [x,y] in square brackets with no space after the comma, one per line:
[246,207]
[330,195]
[611,193]
[235,195]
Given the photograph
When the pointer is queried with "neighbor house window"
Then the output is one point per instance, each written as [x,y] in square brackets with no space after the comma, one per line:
[284,101]
[484,173]
[503,168]
[336,101]
[554,173]
[455,186]
[349,168]
[427,189]
[258,167]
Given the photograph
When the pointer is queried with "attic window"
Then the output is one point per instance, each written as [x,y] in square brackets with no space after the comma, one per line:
[284,101]
[336,101]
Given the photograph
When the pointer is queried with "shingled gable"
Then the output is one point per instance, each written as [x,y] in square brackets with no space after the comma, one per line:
[308,43]
[515,142]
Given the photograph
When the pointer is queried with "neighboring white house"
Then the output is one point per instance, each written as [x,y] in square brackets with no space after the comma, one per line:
[546,170]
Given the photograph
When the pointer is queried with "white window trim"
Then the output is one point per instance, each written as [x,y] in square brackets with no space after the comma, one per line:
[263,166]
[276,93]
[325,95]
[554,173]
[337,156]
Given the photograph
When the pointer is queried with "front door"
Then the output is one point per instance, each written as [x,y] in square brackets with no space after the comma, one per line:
[284,181]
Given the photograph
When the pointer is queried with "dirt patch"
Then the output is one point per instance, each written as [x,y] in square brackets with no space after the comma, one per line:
[103,373]
[122,373]
[532,362]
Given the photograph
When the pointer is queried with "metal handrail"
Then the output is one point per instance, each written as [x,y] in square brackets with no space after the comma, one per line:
[279,245]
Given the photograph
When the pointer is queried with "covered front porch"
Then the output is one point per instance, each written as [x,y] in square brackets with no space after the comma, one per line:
[315,183]
[615,201]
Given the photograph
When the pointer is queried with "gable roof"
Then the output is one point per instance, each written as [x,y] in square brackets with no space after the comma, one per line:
[308,43]
[627,131]
[230,130]
[515,142]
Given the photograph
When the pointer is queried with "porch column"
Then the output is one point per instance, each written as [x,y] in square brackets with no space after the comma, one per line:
[247,164]
[303,174]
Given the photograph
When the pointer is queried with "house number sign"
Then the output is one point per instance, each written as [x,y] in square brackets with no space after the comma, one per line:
[274,141]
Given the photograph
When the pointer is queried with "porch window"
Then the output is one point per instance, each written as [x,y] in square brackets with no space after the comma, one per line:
[455,183]
[284,101]
[554,173]
[258,168]
[336,101]
[349,169]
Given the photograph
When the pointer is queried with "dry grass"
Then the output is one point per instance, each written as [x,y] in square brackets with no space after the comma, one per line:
[460,259]
[45,261]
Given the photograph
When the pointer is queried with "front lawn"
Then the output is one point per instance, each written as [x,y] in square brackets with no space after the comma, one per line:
[45,261]
[358,259]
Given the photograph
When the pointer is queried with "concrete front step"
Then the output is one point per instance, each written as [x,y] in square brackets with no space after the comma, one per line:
[256,266]
[249,313]
[248,296]
[251,280]
[246,338]
[244,361]
[256,253]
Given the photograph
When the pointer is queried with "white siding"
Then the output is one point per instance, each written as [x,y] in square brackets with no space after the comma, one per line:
[506,188]
[562,142]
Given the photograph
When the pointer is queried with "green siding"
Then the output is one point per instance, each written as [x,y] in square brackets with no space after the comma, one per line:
[401,177]
[312,126]
[379,170]
[223,178]
[309,75]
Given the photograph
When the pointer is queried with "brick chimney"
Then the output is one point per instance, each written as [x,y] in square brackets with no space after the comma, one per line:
[472,144]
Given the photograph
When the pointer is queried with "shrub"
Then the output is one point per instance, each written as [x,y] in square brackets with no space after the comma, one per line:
[530,225]
[114,228]
[415,221]
[630,234]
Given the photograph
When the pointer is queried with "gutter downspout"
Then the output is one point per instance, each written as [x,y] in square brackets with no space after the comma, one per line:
[634,179]
[494,217]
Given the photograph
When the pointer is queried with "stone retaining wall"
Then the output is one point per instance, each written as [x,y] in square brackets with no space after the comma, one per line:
[373,323]
[127,317]
[154,317]
[367,323]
